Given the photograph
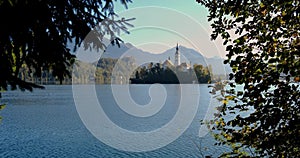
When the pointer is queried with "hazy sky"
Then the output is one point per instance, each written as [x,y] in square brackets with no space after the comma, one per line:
[160,24]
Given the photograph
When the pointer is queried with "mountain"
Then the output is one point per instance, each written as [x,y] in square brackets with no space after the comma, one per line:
[115,52]
[219,68]
[187,55]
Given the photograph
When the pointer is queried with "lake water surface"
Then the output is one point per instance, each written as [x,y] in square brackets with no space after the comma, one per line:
[45,123]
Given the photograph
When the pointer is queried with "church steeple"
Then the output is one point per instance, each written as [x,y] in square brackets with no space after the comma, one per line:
[177,56]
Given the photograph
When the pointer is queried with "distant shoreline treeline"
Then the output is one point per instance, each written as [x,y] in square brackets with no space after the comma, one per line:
[100,72]
[119,71]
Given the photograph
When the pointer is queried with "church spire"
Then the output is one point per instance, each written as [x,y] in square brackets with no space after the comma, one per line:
[177,56]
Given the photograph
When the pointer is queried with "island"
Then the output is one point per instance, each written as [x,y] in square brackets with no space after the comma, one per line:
[169,73]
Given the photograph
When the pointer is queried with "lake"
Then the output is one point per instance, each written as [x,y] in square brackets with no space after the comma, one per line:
[50,123]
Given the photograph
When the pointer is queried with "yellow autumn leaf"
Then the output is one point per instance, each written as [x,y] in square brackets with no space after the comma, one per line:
[224,101]
[2,106]
[229,97]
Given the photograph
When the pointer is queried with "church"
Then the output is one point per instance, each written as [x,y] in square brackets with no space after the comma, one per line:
[168,63]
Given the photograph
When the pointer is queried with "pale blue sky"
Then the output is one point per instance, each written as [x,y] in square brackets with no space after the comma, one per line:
[160,24]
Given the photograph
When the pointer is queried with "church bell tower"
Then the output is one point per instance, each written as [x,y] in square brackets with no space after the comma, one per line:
[177,56]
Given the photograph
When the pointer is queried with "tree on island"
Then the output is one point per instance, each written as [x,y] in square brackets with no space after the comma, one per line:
[36,33]
[263,48]
[156,73]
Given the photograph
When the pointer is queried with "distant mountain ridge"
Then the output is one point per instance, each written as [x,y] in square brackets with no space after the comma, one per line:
[188,55]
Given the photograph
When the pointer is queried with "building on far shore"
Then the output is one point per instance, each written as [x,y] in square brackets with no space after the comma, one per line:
[168,63]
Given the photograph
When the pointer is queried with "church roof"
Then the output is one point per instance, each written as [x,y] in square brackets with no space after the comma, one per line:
[168,62]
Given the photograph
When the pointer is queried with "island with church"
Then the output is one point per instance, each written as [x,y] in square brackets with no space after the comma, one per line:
[169,73]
